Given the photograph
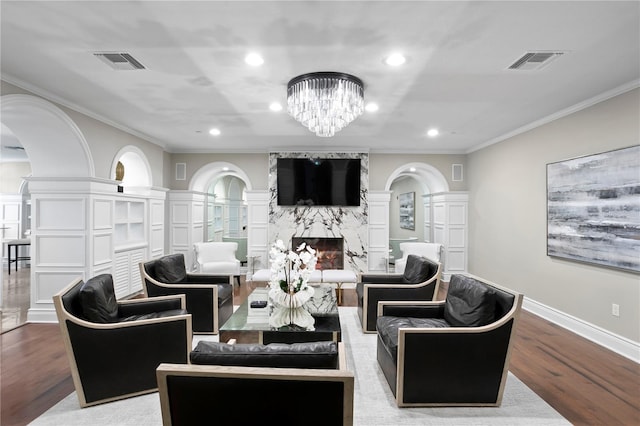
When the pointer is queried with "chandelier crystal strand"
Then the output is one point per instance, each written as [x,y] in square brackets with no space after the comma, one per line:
[325,102]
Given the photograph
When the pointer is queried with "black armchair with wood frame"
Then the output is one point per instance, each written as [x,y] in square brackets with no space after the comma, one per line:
[209,297]
[420,281]
[114,347]
[449,353]
[287,377]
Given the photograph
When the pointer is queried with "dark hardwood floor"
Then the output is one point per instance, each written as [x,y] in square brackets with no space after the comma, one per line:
[587,384]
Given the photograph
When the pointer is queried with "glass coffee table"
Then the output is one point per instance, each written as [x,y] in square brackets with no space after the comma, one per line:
[271,324]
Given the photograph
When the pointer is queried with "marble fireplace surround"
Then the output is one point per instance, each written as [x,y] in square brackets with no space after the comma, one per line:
[348,223]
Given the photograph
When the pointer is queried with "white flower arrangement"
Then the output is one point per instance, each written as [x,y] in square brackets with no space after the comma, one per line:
[290,273]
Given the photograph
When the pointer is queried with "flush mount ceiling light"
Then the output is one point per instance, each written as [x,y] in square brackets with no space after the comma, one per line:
[395,59]
[275,106]
[253,59]
[325,102]
[371,107]
[214,132]
[432,133]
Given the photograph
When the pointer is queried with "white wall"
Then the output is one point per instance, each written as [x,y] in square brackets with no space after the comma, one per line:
[381,166]
[507,212]
[400,187]
[256,167]
[11,176]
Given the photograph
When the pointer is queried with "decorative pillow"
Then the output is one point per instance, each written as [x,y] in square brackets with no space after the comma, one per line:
[170,269]
[98,300]
[469,302]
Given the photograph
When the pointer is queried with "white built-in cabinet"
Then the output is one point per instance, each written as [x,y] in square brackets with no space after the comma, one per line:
[131,244]
[126,274]
[83,227]
[129,226]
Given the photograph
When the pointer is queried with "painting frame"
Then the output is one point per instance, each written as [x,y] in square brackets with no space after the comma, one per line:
[593,209]
[406,207]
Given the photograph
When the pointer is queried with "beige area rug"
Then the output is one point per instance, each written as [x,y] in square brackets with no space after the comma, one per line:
[373,401]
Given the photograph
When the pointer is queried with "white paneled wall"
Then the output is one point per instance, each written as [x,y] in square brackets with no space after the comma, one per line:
[426,202]
[258,228]
[11,216]
[186,218]
[450,228]
[378,260]
[83,227]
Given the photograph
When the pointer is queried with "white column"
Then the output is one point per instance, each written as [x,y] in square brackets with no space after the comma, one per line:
[450,228]
[157,222]
[258,228]
[186,223]
[378,231]
[426,203]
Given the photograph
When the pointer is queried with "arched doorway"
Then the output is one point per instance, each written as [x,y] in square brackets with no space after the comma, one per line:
[48,135]
[444,213]
[50,139]
[421,180]
[192,213]
[225,185]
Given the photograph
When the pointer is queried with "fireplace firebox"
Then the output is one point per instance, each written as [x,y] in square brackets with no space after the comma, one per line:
[329,251]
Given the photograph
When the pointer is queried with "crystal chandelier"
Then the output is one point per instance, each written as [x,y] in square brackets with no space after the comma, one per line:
[325,102]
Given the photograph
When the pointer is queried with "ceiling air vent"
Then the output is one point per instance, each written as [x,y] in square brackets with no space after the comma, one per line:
[120,61]
[534,60]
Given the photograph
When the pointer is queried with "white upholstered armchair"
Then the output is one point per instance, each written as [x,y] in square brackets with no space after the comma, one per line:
[432,251]
[218,258]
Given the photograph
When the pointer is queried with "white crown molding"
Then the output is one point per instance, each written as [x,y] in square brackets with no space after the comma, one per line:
[82,110]
[562,113]
[621,345]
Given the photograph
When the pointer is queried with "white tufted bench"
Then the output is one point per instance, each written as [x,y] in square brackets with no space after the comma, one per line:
[338,276]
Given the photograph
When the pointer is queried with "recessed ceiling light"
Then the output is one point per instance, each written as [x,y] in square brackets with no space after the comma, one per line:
[412,169]
[432,133]
[395,59]
[226,169]
[254,59]
[214,132]
[371,107]
[275,106]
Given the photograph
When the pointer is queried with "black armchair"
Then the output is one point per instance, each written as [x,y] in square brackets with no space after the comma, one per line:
[209,297]
[285,376]
[452,352]
[114,347]
[420,281]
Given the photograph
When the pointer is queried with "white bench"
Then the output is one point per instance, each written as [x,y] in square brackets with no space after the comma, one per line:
[338,276]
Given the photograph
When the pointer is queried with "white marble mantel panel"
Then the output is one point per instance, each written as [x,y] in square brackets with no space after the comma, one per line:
[350,223]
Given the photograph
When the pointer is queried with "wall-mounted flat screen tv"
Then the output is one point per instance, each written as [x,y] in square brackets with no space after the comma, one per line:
[318,182]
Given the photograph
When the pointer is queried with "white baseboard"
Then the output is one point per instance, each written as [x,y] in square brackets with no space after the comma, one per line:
[621,345]
[42,315]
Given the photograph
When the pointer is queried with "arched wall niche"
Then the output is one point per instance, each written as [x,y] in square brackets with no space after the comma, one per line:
[137,171]
[55,140]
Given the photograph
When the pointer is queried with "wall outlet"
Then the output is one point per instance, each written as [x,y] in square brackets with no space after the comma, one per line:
[615,309]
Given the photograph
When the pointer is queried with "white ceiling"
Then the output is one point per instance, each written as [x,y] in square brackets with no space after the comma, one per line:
[455,78]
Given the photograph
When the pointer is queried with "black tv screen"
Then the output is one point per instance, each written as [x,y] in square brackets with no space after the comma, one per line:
[318,182]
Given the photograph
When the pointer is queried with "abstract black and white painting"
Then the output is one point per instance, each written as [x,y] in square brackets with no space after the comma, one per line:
[593,209]
[407,210]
